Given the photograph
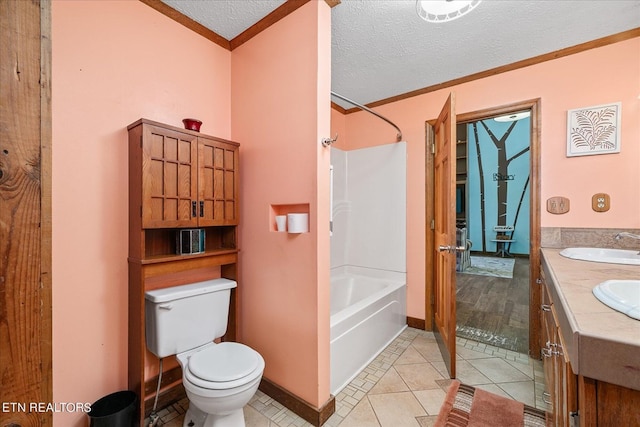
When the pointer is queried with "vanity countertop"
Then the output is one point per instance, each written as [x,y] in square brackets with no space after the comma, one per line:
[601,343]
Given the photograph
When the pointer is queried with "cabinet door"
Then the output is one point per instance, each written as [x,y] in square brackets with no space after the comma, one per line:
[217,183]
[567,384]
[560,381]
[548,337]
[559,373]
[169,179]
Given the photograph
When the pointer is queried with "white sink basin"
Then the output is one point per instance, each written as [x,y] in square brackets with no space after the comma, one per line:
[621,295]
[614,256]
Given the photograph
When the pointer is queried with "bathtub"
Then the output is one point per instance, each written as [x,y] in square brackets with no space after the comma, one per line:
[368,311]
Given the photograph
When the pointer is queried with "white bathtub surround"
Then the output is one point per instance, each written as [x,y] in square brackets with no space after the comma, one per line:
[368,256]
[368,311]
[370,207]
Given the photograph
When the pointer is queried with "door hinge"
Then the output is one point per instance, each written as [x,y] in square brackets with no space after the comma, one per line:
[433,224]
[433,147]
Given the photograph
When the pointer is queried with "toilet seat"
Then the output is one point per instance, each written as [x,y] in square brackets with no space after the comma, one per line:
[224,366]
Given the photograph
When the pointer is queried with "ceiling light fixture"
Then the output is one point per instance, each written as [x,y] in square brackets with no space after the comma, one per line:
[444,10]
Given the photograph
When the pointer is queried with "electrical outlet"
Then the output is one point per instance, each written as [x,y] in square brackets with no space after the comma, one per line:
[601,202]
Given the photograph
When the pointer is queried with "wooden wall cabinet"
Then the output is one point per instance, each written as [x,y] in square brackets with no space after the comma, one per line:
[177,179]
[187,179]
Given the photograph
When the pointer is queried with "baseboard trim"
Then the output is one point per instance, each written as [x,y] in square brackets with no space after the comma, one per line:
[311,414]
[413,322]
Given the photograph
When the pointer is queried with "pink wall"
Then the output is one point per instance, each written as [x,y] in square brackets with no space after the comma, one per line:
[113,62]
[280,111]
[594,77]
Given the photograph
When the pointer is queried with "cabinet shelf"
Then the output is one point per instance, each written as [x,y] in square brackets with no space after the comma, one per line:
[161,243]
[176,258]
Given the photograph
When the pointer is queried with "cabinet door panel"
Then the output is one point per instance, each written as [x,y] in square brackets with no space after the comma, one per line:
[171,183]
[169,178]
[218,209]
[229,184]
[230,209]
[217,182]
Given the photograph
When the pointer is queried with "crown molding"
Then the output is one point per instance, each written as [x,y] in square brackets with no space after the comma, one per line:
[194,26]
[283,10]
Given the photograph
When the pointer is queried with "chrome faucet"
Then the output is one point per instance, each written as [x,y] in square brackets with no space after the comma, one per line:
[625,234]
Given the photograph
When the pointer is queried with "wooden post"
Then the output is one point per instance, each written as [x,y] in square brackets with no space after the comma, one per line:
[25,212]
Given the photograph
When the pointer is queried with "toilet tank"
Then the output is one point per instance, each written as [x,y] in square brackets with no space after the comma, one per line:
[184,317]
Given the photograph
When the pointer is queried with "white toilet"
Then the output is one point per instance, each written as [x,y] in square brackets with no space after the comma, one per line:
[219,378]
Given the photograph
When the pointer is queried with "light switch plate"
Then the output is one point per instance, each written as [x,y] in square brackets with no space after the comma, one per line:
[601,202]
[558,205]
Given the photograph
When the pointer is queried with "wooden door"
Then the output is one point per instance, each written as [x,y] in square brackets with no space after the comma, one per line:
[445,233]
[169,178]
[217,183]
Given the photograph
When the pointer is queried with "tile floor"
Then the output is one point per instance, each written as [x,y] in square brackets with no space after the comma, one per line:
[405,385]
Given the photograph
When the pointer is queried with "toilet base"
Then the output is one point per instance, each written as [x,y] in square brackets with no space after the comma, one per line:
[195,417]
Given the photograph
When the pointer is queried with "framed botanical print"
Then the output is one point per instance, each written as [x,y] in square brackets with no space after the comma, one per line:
[594,130]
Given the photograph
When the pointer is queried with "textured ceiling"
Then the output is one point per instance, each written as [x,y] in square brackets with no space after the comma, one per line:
[227,18]
[382,49]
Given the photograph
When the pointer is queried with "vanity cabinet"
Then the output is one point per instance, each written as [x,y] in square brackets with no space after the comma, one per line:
[186,179]
[177,179]
[575,397]
[560,382]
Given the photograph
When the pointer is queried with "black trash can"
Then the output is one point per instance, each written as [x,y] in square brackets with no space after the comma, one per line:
[115,410]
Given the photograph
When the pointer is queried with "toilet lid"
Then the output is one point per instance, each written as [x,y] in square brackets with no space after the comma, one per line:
[227,361]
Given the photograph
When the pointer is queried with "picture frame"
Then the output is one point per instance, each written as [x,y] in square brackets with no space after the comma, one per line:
[594,130]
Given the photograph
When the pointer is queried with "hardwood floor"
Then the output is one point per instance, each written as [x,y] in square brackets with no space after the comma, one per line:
[495,310]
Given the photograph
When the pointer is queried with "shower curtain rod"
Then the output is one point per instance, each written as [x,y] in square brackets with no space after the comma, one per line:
[369,110]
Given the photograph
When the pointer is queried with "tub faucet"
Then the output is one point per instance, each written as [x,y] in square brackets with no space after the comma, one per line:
[630,235]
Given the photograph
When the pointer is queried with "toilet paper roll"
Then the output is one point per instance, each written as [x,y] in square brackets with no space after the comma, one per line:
[298,223]
[281,222]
